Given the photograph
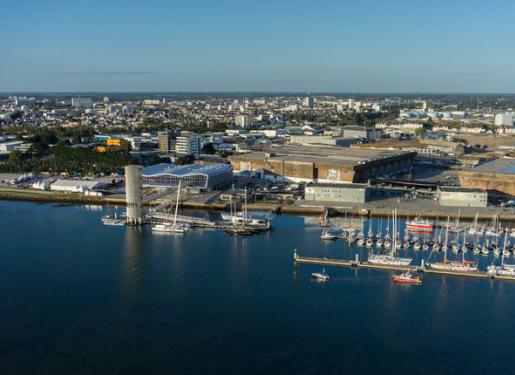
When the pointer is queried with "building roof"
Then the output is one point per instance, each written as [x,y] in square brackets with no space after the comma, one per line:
[338,185]
[186,170]
[457,189]
[326,154]
[498,166]
[76,183]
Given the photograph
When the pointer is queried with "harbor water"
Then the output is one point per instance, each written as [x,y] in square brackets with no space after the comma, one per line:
[78,297]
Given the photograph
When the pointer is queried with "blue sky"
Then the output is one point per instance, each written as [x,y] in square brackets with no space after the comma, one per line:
[317,45]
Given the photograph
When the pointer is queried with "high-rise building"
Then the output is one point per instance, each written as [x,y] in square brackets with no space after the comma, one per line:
[165,138]
[309,101]
[188,144]
[242,121]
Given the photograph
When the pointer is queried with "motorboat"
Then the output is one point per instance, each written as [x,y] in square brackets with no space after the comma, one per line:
[418,224]
[320,276]
[327,235]
[406,278]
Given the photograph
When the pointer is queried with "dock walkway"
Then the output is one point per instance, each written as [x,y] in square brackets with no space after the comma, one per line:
[297,259]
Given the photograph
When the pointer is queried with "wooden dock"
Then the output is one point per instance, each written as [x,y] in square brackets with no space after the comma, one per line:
[297,259]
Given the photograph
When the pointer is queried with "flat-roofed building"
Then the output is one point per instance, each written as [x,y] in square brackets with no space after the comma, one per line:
[462,197]
[322,140]
[497,175]
[357,131]
[324,163]
[326,192]
[188,144]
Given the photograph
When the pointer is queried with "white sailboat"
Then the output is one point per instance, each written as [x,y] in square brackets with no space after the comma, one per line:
[453,266]
[173,227]
[390,259]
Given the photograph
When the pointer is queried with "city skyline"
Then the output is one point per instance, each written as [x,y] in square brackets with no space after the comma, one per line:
[328,46]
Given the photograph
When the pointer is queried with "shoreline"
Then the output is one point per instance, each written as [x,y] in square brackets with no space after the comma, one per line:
[278,208]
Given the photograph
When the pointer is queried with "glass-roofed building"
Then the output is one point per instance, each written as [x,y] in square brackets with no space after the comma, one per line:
[197,176]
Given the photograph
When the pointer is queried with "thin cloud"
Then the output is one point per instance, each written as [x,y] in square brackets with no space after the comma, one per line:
[105,73]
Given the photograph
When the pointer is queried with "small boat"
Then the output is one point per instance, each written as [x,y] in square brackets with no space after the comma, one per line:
[113,220]
[170,228]
[320,276]
[327,235]
[407,278]
[419,224]
[239,231]
[369,242]
[425,246]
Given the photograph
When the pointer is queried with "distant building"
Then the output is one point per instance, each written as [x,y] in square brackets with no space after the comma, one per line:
[309,101]
[81,102]
[462,197]
[151,102]
[326,192]
[188,144]
[242,121]
[165,139]
[504,119]
[356,131]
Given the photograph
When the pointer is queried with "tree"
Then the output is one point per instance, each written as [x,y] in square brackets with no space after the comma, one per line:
[420,132]
[208,148]
[16,157]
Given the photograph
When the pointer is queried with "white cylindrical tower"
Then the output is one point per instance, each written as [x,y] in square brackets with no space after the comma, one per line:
[133,194]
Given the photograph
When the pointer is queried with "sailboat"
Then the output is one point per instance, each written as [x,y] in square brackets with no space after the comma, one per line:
[380,241]
[503,269]
[173,227]
[324,217]
[259,221]
[454,266]
[390,259]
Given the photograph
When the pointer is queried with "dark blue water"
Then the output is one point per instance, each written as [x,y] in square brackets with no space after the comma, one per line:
[77,297]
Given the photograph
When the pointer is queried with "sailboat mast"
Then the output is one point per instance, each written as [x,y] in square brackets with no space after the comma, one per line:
[445,242]
[177,203]
[504,248]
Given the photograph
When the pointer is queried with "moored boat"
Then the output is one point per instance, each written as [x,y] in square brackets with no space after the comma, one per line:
[406,278]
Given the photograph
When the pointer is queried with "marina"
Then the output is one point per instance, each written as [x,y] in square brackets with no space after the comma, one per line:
[118,285]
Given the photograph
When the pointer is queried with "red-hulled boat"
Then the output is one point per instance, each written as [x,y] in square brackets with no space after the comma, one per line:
[420,225]
[406,278]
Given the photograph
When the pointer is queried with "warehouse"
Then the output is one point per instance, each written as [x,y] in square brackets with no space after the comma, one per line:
[322,140]
[496,176]
[352,193]
[75,186]
[462,197]
[199,176]
[324,163]
[357,131]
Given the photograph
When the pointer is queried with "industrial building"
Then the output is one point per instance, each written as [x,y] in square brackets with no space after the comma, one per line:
[322,140]
[496,175]
[193,176]
[74,186]
[324,192]
[357,131]
[323,163]
[462,197]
